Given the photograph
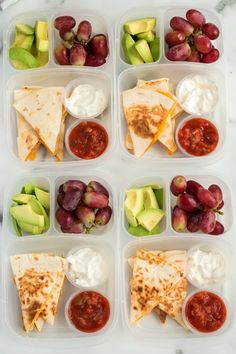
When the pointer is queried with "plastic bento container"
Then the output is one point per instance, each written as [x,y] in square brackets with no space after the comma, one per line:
[150,328]
[164,180]
[52,182]
[60,331]
[53,74]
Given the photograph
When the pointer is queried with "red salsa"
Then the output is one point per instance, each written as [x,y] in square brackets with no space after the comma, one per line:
[89,311]
[88,140]
[198,137]
[206,311]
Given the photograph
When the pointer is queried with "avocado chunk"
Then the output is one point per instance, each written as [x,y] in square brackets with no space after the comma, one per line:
[22,41]
[150,201]
[39,209]
[16,227]
[41,35]
[155,48]
[19,65]
[134,57]
[140,25]
[141,231]
[34,230]
[159,193]
[29,188]
[143,49]
[24,29]
[130,217]
[42,58]
[148,36]
[23,198]
[22,55]
[149,218]
[133,204]
[43,197]
[25,214]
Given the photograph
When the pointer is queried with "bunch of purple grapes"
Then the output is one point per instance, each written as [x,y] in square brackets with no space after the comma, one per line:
[77,47]
[82,207]
[196,207]
[191,38]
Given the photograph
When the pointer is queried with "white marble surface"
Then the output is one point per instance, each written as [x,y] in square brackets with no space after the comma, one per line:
[119,341]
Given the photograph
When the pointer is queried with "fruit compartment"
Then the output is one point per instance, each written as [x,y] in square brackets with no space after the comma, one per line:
[51,182]
[150,326]
[157,153]
[164,180]
[61,330]
[100,25]
[163,15]
[58,77]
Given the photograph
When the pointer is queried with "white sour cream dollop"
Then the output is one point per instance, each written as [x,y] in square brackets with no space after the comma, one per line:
[197,94]
[87,267]
[86,101]
[205,268]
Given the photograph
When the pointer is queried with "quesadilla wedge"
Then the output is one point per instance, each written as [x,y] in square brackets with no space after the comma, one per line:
[39,279]
[27,140]
[159,280]
[43,110]
[145,110]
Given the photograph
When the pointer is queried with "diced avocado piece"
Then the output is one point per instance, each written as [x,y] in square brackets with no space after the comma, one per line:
[159,193]
[24,29]
[130,217]
[127,43]
[23,198]
[148,36]
[22,41]
[155,48]
[31,229]
[140,25]
[41,35]
[142,47]
[19,65]
[25,214]
[29,188]
[150,201]
[42,58]
[23,56]
[134,56]
[16,227]
[149,218]
[39,209]
[141,231]
[43,197]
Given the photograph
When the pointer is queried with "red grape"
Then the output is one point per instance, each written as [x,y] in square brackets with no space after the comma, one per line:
[92,60]
[179,52]
[72,199]
[207,221]
[85,214]
[180,24]
[217,193]
[103,216]
[211,31]
[67,35]
[73,184]
[193,222]
[220,206]
[179,219]
[65,23]
[60,198]
[218,230]
[187,202]
[99,46]
[95,186]
[62,55]
[178,185]
[64,218]
[174,37]
[95,200]
[194,56]
[193,187]
[196,18]
[78,55]
[202,43]
[76,228]
[206,198]
[84,32]
[210,57]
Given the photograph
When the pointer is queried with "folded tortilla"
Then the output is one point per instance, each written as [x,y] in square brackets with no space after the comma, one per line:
[145,111]
[39,280]
[43,110]
[158,280]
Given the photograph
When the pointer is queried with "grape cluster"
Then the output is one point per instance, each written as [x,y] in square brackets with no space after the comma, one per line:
[191,38]
[78,48]
[196,207]
[82,207]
